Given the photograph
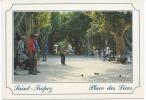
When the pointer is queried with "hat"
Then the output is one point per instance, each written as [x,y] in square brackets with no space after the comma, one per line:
[36,35]
[22,37]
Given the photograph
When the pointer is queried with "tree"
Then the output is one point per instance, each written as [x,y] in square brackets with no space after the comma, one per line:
[41,20]
[83,30]
[54,30]
[96,30]
[27,23]
[118,23]
[105,23]
[76,28]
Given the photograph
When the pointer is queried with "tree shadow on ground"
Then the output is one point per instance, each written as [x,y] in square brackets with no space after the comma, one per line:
[50,72]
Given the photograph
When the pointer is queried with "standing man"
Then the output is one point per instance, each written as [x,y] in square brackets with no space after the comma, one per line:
[104,54]
[36,52]
[45,50]
[107,53]
[62,54]
[32,50]
[20,48]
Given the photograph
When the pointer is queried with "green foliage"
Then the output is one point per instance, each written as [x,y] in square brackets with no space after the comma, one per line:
[78,24]
[118,21]
[41,19]
[63,44]
[83,30]
[97,25]
[55,22]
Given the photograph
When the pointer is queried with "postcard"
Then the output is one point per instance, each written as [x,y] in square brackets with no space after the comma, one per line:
[73,49]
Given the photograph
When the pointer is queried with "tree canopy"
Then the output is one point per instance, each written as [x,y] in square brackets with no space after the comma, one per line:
[84,31]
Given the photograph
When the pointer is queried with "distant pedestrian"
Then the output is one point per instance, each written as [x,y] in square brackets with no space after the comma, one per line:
[99,53]
[107,53]
[111,55]
[62,54]
[45,50]
[104,54]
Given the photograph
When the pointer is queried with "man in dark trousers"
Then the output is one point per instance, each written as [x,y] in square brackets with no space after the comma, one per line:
[32,56]
[62,54]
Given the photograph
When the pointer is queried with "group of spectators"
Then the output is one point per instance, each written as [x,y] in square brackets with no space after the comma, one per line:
[26,52]
[108,54]
[105,54]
